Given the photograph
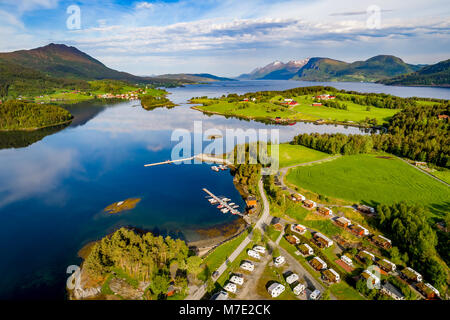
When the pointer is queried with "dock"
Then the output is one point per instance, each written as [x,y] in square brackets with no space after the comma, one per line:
[202,157]
[223,203]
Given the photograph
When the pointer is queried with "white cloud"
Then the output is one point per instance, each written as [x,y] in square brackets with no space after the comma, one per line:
[144,5]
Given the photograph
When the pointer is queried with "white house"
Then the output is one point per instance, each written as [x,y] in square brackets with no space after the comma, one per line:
[315,295]
[365,231]
[279,261]
[237,280]
[373,278]
[230,287]
[275,289]
[347,260]
[253,254]
[292,278]
[259,249]
[298,289]
[248,266]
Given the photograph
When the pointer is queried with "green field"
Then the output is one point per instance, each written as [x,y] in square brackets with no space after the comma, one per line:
[296,154]
[372,179]
[444,175]
[303,111]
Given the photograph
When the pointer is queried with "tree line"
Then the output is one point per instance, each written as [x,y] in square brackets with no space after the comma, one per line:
[408,227]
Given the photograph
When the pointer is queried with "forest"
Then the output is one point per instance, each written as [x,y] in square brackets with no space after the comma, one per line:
[335,143]
[143,257]
[19,115]
[409,229]
[150,102]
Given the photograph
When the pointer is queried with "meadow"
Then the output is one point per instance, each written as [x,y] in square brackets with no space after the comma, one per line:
[372,179]
[295,154]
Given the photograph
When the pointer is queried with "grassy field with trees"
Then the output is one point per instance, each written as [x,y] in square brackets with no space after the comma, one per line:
[372,179]
[296,154]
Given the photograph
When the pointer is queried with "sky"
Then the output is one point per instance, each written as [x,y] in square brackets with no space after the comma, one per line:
[228,37]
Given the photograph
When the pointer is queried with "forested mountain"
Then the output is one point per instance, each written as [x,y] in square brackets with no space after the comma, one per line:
[61,61]
[194,77]
[434,75]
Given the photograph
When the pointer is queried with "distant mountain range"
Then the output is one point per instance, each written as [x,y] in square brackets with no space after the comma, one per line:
[326,69]
[196,77]
[434,75]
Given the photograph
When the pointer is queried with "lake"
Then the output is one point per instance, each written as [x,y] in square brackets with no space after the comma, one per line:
[54,188]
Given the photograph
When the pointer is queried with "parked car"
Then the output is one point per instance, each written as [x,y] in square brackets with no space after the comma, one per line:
[259,249]
[253,254]
[279,261]
[315,295]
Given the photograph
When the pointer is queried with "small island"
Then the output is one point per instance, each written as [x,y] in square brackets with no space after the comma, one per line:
[19,115]
[150,102]
[124,205]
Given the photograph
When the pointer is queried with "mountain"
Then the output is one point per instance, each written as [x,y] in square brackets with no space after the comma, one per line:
[61,61]
[434,75]
[275,70]
[326,69]
[196,77]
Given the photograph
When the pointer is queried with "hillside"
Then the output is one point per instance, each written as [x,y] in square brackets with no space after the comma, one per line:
[434,75]
[194,77]
[61,61]
[326,69]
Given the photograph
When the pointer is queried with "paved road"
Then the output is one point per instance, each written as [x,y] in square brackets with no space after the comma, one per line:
[427,173]
[200,292]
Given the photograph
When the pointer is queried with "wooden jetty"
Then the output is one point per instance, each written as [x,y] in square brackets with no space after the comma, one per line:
[201,157]
[223,203]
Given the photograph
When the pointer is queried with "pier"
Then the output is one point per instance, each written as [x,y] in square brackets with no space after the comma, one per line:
[201,157]
[223,203]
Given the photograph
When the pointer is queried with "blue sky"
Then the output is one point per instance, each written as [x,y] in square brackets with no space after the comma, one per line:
[229,37]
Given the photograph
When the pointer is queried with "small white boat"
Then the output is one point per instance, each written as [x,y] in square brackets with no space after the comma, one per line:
[212,201]
[226,199]
[231,204]
[224,210]
[235,206]
[214,168]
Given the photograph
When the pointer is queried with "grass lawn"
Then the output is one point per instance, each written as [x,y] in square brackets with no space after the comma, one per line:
[372,180]
[443,175]
[295,154]
[218,256]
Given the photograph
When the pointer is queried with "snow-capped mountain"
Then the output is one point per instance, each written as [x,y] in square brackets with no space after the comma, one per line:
[275,70]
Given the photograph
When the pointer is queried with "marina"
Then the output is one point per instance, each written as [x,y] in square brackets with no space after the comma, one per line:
[224,206]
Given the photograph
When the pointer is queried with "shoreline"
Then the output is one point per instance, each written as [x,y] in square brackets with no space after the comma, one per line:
[38,128]
[286,121]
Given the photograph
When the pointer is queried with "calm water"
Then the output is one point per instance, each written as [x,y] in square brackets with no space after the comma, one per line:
[53,191]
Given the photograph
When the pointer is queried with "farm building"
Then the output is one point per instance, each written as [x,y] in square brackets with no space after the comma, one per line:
[309,204]
[331,276]
[316,104]
[343,222]
[367,275]
[359,230]
[292,239]
[410,274]
[365,209]
[443,116]
[298,228]
[428,290]
[322,240]
[306,250]
[366,255]
[325,211]
[325,97]
[382,241]
[275,289]
[392,291]
[318,263]
[347,260]
[386,265]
